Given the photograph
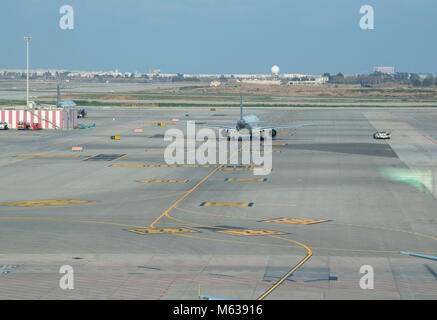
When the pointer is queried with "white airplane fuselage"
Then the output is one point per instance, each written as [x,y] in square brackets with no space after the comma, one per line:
[247,122]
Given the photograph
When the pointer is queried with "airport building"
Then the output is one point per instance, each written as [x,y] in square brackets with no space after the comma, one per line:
[386,70]
[49,118]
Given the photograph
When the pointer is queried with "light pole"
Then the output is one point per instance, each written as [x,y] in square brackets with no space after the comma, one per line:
[27,39]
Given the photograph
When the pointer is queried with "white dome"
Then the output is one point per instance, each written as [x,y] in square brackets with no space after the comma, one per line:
[275,69]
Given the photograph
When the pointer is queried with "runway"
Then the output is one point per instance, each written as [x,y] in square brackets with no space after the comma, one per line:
[134,227]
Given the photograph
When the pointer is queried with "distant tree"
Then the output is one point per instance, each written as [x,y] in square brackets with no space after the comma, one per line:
[415,80]
[401,76]
[428,81]
[416,83]
[338,78]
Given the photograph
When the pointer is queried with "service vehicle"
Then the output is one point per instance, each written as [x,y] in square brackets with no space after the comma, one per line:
[81,113]
[3,125]
[382,135]
[23,125]
[36,126]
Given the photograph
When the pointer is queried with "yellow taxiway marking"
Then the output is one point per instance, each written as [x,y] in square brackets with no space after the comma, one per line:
[161,166]
[245,179]
[47,156]
[388,229]
[165,213]
[245,167]
[249,232]
[262,244]
[162,181]
[69,220]
[42,203]
[226,204]
[289,273]
[124,201]
[262,152]
[161,230]
[294,220]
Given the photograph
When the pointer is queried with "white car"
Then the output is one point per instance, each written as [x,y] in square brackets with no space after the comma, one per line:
[381,135]
[3,125]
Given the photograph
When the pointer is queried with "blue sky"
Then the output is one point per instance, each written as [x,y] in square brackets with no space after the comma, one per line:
[221,36]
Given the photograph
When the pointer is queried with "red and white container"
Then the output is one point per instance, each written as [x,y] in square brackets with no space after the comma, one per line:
[59,118]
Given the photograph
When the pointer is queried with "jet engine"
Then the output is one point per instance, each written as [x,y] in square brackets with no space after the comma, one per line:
[273,133]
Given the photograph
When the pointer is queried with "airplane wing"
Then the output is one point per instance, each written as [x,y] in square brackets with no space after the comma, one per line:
[289,126]
[67,103]
[213,126]
[218,126]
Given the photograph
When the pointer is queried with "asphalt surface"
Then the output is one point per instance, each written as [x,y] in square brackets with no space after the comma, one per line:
[364,200]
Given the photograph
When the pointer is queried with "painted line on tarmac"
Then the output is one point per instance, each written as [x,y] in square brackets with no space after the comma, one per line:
[250,232]
[419,255]
[165,213]
[245,179]
[42,203]
[146,231]
[48,156]
[226,204]
[294,221]
[290,273]
[162,181]
[68,220]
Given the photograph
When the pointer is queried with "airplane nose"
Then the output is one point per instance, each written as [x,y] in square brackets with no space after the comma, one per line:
[240,125]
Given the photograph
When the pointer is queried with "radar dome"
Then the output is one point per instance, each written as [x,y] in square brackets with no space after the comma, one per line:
[275,70]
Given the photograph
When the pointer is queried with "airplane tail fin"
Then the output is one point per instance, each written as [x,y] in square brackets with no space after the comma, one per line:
[58,101]
[241,106]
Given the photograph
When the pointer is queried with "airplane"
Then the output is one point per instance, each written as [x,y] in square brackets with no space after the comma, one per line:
[66,103]
[60,103]
[249,123]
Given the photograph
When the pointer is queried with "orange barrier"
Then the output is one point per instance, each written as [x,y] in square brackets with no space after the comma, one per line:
[138,130]
[77,149]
